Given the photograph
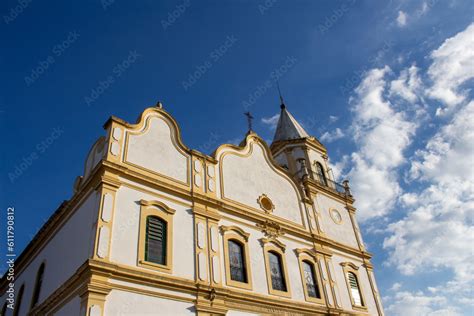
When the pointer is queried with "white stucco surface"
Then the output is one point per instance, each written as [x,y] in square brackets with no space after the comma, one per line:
[155,151]
[246,178]
[125,232]
[132,304]
[257,262]
[343,232]
[73,241]
[363,283]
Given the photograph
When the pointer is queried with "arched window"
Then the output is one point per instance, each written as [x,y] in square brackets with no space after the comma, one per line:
[238,270]
[38,283]
[19,298]
[355,290]
[276,271]
[237,261]
[310,280]
[155,240]
[320,174]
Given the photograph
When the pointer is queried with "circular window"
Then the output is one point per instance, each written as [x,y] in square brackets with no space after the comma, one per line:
[336,216]
[265,203]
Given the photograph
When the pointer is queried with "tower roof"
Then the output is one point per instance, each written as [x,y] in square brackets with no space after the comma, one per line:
[288,128]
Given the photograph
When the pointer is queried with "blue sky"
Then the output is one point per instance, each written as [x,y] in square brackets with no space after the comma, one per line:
[384,85]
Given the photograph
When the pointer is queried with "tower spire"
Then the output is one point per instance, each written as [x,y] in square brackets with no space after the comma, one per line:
[282,103]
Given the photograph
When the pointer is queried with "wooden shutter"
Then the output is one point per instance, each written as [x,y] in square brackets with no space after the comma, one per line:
[155,247]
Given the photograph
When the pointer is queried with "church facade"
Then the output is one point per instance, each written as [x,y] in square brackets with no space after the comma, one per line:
[157,228]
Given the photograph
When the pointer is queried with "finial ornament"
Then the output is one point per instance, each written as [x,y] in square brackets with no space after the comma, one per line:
[159,105]
[249,120]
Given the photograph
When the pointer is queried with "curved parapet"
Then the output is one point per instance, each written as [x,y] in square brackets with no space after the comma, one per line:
[152,146]
[248,175]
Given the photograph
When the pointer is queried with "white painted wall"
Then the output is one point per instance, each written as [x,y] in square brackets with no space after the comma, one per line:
[154,149]
[70,247]
[246,178]
[125,231]
[96,153]
[343,232]
[364,283]
[120,303]
[257,261]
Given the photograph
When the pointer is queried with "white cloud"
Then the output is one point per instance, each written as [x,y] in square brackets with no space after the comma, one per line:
[332,136]
[408,85]
[381,134]
[333,118]
[453,65]
[437,233]
[271,121]
[438,230]
[402,19]
[396,286]
[411,304]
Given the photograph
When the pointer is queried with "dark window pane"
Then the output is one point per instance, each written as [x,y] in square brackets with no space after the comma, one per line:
[237,262]
[276,271]
[321,174]
[155,243]
[310,280]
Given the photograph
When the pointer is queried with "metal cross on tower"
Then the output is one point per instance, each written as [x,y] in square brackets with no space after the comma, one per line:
[249,120]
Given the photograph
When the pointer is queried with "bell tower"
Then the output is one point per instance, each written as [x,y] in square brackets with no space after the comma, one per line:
[304,156]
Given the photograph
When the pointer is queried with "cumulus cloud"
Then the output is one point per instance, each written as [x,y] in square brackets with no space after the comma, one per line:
[432,232]
[437,233]
[408,85]
[417,303]
[453,66]
[271,121]
[381,134]
[329,137]
[402,19]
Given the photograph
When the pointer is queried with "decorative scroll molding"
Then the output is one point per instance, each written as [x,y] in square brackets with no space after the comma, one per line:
[270,229]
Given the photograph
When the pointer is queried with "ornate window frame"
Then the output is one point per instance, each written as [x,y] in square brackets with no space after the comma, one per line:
[161,210]
[271,244]
[351,267]
[308,255]
[236,233]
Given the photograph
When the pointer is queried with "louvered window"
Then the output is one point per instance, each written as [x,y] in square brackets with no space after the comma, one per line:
[310,280]
[237,261]
[355,291]
[155,242]
[276,271]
